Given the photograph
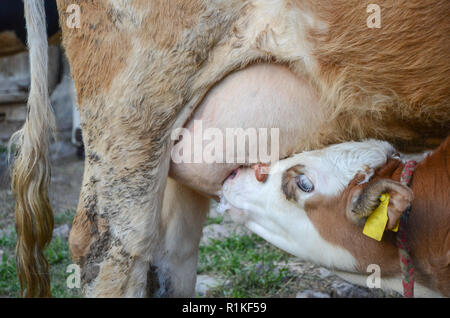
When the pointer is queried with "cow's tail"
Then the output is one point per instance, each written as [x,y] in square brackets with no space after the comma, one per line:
[31,172]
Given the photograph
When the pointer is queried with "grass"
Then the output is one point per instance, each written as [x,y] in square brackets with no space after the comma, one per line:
[247,266]
[214,220]
[58,256]
[65,217]
[245,263]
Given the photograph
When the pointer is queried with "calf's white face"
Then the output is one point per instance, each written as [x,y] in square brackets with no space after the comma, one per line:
[275,209]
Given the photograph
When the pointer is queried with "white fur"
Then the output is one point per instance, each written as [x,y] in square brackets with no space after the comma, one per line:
[39,109]
[263,207]
[285,30]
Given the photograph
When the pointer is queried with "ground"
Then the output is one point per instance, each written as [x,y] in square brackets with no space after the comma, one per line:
[232,263]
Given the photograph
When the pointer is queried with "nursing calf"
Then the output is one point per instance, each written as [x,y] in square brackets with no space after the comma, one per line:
[314,204]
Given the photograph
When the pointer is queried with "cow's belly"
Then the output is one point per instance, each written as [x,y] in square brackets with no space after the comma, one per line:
[260,96]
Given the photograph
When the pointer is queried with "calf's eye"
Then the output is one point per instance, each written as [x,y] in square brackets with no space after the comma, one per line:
[304,183]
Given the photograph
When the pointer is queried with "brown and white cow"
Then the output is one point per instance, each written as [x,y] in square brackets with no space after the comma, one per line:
[142,67]
[314,204]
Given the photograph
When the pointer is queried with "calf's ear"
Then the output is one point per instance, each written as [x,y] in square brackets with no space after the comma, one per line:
[362,201]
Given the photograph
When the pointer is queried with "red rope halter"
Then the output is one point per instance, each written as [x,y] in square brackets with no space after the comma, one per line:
[406,263]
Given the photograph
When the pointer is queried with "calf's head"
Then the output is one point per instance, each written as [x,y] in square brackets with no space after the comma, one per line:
[313,204]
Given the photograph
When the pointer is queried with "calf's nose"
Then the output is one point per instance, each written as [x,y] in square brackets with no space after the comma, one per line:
[261,171]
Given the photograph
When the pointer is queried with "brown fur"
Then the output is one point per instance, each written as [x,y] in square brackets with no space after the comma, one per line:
[97,56]
[79,241]
[364,200]
[427,230]
[429,222]
[169,20]
[389,83]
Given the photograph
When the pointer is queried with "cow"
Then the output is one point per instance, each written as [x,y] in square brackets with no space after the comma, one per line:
[142,69]
[314,205]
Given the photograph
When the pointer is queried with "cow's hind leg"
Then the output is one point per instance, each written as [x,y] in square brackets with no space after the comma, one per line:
[174,268]
[120,235]
[184,212]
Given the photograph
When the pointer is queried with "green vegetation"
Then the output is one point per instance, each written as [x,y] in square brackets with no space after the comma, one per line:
[58,256]
[216,220]
[248,266]
[65,217]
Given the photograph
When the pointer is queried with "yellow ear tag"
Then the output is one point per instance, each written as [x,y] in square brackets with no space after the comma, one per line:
[395,229]
[376,222]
